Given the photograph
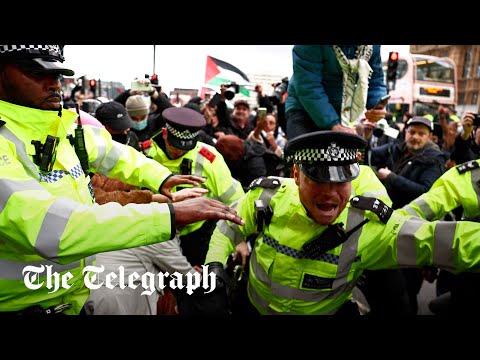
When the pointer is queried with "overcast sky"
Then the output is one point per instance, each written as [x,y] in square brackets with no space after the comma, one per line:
[181,66]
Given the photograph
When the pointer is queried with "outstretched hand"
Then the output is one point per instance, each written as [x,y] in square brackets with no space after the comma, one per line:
[202,208]
[188,193]
[175,180]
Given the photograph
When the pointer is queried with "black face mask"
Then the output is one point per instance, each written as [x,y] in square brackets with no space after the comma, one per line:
[121,138]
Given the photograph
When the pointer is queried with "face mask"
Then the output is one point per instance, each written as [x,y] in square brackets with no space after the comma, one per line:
[140,125]
[121,138]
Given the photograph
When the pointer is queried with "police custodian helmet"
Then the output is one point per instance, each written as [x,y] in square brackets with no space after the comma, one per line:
[326,156]
[36,58]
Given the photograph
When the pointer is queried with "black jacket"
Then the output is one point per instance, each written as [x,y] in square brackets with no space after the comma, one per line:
[257,162]
[412,175]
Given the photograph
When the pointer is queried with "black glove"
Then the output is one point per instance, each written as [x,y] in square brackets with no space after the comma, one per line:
[223,280]
[204,301]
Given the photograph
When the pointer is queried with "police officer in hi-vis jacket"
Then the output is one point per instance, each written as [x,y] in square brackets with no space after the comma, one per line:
[314,237]
[49,222]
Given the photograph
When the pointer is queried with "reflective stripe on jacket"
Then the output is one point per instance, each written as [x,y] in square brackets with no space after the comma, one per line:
[450,191]
[49,219]
[284,280]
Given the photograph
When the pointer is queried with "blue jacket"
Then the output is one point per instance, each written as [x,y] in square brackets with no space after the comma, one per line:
[317,82]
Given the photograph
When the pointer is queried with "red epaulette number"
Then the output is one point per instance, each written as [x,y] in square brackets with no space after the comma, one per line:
[207,154]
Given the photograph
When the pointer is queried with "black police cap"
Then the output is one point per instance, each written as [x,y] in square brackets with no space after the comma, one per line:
[326,156]
[183,125]
[39,58]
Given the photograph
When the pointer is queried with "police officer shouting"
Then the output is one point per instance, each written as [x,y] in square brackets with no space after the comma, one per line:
[48,219]
[314,238]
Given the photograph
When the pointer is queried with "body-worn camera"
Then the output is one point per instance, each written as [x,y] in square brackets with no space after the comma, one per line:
[186,167]
[45,154]
[263,214]
[231,89]
[279,90]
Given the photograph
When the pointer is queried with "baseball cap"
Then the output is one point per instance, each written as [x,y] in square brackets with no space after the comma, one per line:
[420,120]
[114,115]
[241,102]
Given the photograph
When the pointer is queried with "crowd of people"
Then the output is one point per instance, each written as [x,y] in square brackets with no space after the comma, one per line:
[293,206]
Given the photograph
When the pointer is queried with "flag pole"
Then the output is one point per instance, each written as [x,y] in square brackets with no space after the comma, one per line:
[154,48]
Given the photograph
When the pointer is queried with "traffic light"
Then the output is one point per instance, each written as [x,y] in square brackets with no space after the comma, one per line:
[392,66]
[93,85]
[154,79]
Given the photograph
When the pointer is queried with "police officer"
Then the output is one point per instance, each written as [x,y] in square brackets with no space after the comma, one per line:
[458,186]
[177,148]
[315,238]
[50,224]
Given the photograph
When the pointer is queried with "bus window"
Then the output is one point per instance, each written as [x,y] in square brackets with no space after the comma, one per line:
[434,70]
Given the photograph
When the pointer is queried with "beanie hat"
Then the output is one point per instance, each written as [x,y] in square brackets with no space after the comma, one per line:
[137,106]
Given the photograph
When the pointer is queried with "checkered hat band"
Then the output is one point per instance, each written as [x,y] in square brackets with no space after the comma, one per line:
[319,155]
[53,51]
[183,135]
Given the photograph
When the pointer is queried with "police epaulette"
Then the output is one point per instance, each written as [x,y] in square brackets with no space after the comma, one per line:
[377,206]
[207,154]
[468,166]
[267,183]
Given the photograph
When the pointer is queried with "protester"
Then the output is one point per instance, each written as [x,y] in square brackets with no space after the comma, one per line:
[333,86]
[154,103]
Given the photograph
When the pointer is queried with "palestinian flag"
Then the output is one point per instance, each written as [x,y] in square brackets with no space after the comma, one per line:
[219,72]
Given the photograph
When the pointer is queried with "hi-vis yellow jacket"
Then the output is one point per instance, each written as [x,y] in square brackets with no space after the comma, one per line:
[50,220]
[459,186]
[284,280]
[206,162]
